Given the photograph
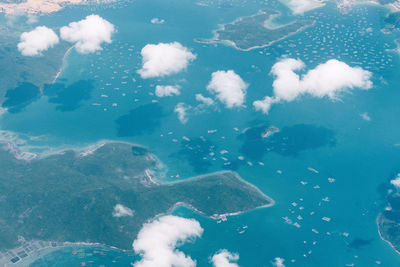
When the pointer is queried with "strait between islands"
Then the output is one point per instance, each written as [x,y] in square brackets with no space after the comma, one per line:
[70,196]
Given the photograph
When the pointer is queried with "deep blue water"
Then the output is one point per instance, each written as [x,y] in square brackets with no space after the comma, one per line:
[329,136]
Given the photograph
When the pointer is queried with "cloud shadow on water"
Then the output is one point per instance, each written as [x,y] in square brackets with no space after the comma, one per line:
[141,120]
[197,152]
[68,98]
[21,96]
[290,141]
[358,243]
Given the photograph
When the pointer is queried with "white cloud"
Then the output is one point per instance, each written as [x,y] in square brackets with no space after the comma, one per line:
[278,262]
[167,90]
[181,110]
[205,100]
[396,181]
[121,211]
[287,83]
[229,88]
[225,259]
[157,21]
[333,77]
[164,59]
[265,105]
[88,34]
[157,242]
[301,6]
[40,39]
[326,80]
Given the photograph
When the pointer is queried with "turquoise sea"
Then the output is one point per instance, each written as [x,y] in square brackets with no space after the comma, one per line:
[101,97]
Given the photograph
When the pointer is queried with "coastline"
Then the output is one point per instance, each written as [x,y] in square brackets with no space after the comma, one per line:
[63,64]
[50,248]
[42,7]
[345,5]
[91,148]
[38,6]
[81,151]
[216,40]
[380,234]
[214,217]
[31,258]
[88,150]
[237,176]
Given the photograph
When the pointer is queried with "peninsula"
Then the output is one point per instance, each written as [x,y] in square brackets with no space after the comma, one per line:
[104,195]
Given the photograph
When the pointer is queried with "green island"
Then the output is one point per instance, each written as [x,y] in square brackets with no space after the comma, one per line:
[71,196]
[255,31]
[388,221]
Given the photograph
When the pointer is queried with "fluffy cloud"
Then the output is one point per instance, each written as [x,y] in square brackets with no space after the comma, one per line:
[278,262]
[122,211]
[181,110]
[205,100]
[157,241]
[88,34]
[167,90]
[287,83]
[333,77]
[40,39]
[265,104]
[164,59]
[225,259]
[396,181]
[229,88]
[326,80]
[301,6]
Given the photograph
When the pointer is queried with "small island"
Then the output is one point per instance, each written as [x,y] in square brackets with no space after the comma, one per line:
[103,195]
[256,31]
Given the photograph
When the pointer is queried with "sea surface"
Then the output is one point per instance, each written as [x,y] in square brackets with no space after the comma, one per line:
[326,160]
